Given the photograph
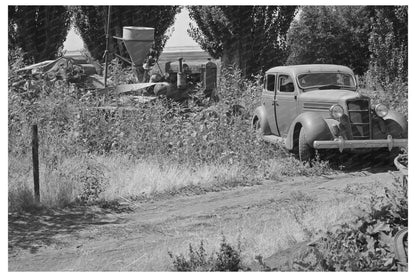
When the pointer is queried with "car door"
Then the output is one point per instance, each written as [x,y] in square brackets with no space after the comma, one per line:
[286,103]
[268,98]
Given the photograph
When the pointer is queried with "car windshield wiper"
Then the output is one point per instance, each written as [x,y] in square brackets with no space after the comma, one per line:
[330,87]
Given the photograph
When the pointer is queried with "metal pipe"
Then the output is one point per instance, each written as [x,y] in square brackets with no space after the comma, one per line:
[180,65]
[124,59]
[107,36]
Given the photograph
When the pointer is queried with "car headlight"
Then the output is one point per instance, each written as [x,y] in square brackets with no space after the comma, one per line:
[336,111]
[381,110]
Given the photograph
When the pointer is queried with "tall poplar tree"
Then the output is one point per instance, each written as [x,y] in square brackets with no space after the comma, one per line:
[39,30]
[331,34]
[251,37]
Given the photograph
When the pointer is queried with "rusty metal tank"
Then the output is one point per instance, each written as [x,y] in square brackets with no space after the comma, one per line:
[138,41]
[209,72]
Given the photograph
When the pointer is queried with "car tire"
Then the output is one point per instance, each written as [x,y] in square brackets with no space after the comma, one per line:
[306,152]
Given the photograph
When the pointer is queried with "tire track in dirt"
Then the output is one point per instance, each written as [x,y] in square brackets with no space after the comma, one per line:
[140,239]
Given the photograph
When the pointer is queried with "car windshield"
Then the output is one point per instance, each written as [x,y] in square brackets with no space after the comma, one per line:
[326,79]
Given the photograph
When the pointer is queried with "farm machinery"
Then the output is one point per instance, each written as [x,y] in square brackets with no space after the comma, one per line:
[179,78]
[177,81]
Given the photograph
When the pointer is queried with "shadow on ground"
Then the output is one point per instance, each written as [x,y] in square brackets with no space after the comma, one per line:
[35,229]
[375,162]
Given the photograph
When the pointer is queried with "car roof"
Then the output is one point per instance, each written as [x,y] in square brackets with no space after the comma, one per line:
[305,68]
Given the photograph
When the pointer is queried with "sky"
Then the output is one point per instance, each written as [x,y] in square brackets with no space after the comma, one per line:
[179,36]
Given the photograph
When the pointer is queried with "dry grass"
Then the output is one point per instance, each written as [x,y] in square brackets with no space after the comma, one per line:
[122,178]
[263,230]
[288,225]
[133,178]
[56,189]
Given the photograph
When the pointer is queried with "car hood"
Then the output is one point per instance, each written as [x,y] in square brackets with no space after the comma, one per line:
[328,95]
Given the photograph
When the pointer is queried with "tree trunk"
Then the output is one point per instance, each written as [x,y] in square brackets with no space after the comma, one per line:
[232,56]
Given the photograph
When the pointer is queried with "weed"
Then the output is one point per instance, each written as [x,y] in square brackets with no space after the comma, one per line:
[227,258]
[92,181]
[291,167]
[367,244]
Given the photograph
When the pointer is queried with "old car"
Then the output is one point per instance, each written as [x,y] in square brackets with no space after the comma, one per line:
[318,106]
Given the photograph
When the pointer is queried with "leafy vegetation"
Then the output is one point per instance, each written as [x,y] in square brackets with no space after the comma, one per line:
[388,67]
[196,135]
[328,34]
[367,244]
[90,21]
[89,154]
[251,37]
[39,30]
[227,258]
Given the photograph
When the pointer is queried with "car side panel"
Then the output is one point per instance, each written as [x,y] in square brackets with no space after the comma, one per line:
[268,104]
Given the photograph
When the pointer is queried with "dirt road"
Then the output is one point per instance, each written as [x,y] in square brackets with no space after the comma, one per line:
[137,236]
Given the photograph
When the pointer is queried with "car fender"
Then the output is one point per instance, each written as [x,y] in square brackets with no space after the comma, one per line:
[396,124]
[260,114]
[315,126]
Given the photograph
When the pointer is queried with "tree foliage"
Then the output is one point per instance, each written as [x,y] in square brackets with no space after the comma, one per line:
[251,37]
[39,30]
[388,44]
[328,34]
[90,21]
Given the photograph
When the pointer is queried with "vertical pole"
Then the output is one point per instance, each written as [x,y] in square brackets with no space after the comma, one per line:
[107,43]
[35,158]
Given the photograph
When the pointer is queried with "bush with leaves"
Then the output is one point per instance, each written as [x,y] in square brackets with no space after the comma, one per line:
[387,77]
[367,244]
[227,258]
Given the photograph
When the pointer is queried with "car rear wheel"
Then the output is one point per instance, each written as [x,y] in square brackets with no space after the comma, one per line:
[306,153]
[257,127]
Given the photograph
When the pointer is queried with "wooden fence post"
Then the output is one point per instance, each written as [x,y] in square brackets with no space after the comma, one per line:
[35,158]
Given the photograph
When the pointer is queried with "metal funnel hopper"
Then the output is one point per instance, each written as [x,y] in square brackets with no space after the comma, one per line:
[138,41]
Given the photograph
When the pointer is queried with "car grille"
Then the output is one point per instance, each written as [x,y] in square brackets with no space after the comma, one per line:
[359,114]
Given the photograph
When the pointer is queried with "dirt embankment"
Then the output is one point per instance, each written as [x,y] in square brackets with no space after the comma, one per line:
[138,235]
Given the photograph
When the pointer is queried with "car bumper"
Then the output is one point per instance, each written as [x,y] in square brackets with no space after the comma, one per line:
[341,144]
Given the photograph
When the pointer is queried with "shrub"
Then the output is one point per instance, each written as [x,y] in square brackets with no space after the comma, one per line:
[226,259]
[367,245]
[388,68]
[91,178]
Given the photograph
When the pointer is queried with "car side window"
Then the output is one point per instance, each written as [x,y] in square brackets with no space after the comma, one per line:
[270,82]
[286,84]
